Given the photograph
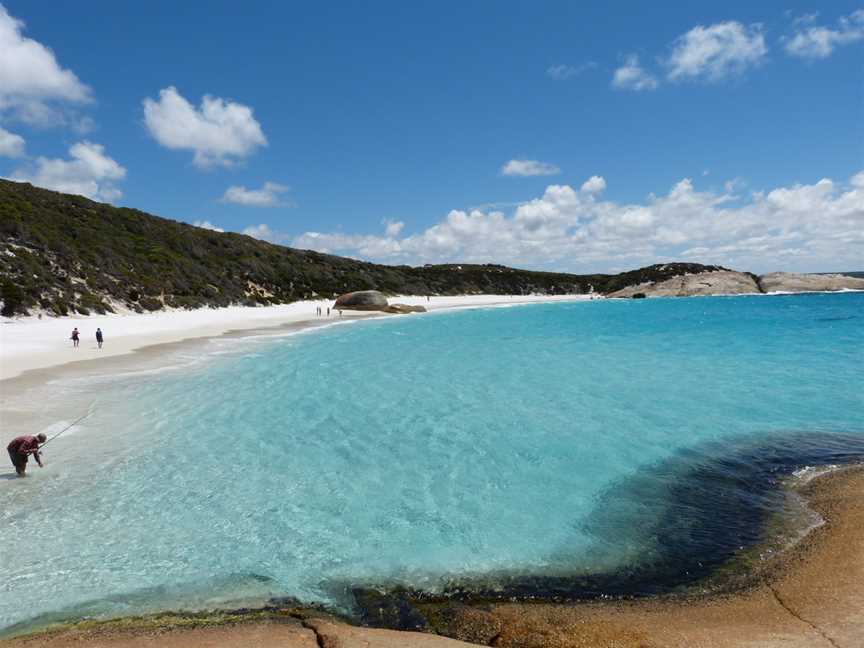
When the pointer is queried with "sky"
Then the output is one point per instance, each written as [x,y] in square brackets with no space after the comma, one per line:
[544,135]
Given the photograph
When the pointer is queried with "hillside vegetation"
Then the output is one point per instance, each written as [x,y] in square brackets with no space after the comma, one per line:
[63,254]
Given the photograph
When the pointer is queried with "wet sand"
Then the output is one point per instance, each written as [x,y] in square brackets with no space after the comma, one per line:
[809,596]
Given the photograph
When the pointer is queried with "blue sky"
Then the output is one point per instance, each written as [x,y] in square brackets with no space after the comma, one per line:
[383,130]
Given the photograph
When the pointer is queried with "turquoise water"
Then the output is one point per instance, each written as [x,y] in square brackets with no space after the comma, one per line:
[485,444]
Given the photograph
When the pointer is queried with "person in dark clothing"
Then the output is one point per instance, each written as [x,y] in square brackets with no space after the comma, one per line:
[74,337]
[99,337]
[20,449]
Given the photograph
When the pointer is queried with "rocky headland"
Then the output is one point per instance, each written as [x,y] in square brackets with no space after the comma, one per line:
[791,282]
[731,282]
[717,282]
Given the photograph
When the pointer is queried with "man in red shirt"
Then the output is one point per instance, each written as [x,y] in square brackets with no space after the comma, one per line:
[20,449]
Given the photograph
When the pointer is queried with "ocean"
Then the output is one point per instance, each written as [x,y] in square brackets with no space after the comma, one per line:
[571,450]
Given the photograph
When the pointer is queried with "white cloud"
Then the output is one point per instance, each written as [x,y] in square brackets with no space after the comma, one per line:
[594,184]
[805,227]
[205,224]
[563,72]
[263,232]
[820,42]
[632,76]
[32,83]
[529,168]
[89,172]
[11,145]
[266,196]
[716,52]
[219,132]
[393,228]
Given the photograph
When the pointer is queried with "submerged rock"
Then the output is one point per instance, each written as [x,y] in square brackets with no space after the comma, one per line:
[361,300]
[387,609]
[791,282]
[718,282]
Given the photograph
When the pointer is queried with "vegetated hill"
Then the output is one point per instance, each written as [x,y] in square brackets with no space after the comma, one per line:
[63,253]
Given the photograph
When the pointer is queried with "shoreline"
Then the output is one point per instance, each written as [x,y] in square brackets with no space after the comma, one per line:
[22,354]
[29,344]
[807,596]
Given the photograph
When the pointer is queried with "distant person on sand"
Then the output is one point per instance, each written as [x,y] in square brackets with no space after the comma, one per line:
[328,311]
[99,337]
[74,337]
[20,449]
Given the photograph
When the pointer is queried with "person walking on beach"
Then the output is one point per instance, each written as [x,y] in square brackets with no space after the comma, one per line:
[75,337]
[20,449]
[99,337]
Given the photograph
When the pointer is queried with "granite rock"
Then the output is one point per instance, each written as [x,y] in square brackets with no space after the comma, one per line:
[366,300]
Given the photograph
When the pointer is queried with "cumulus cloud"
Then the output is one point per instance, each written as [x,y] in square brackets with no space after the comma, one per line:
[265,233]
[594,184]
[205,224]
[563,72]
[393,228]
[806,227]
[632,76]
[817,42]
[219,132]
[716,52]
[89,172]
[11,145]
[32,82]
[266,196]
[529,168]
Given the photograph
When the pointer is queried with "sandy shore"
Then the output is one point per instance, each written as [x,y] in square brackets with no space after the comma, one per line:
[29,343]
[811,596]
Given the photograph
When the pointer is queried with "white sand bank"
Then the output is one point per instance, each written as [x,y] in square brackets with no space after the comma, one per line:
[30,343]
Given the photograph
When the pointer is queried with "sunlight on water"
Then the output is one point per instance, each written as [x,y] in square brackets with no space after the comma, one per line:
[415,449]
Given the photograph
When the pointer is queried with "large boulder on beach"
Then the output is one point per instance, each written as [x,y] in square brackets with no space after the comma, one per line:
[365,300]
[720,282]
[792,282]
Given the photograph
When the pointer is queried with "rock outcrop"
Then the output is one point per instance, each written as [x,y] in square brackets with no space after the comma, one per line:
[365,300]
[791,282]
[720,282]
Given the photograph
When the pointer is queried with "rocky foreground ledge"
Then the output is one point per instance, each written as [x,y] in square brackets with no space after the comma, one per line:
[811,596]
[731,282]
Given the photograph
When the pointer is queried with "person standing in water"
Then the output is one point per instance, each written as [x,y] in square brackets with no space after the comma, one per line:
[75,337]
[20,449]
[99,337]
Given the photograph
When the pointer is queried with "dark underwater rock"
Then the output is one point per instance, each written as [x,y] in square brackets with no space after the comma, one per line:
[387,610]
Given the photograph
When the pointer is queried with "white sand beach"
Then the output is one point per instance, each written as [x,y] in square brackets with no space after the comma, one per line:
[29,343]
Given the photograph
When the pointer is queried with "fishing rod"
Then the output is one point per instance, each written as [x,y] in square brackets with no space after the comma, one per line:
[71,425]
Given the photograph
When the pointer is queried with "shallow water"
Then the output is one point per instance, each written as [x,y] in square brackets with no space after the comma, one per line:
[487,446]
